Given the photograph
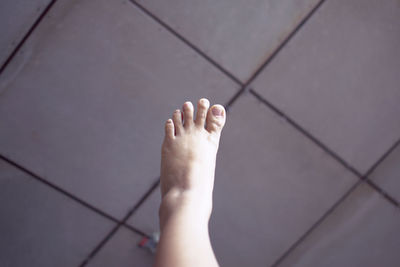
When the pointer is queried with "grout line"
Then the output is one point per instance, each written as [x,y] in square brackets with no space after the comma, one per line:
[386,195]
[26,36]
[121,223]
[363,178]
[331,210]
[141,200]
[232,100]
[317,223]
[91,207]
[382,158]
[333,154]
[283,43]
[134,229]
[187,42]
[307,134]
[244,87]
[58,189]
[377,188]
[243,90]
[99,246]
[102,243]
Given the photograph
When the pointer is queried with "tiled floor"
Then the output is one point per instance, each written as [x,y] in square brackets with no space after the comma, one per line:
[16,19]
[40,226]
[363,231]
[312,90]
[88,104]
[347,95]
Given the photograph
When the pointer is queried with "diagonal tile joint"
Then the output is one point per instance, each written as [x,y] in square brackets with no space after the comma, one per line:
[123,223]
[30,31]
[187,42]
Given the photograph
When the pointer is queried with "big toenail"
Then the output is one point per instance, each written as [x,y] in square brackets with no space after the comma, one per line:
[217,111]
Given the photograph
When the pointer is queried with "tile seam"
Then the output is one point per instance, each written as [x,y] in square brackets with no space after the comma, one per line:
[382,158]
[307,134]
[244,89]
[283,43]
[228,105]
[382,192]
[327,150]
[318,222]
[122,223]
[172,31]
[330,211]
[100,245]
[362,178]
[118,223]
[26,36]
[139,203]
[59,189]
[374,185]
[244,86]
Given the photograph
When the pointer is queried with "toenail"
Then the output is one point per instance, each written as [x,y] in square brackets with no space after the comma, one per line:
[177,111]
[217,111]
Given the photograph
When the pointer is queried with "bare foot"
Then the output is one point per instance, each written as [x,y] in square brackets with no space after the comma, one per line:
[188,159]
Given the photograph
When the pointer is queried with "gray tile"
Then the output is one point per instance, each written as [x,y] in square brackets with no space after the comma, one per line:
[146,217]
[271,185]
[339,78]
[387,174]
[40,226]
[84,103]
[362,231]
[239,35]
[122,250]
[16,17]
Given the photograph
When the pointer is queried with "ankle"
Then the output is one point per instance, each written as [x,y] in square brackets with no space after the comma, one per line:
[187,204]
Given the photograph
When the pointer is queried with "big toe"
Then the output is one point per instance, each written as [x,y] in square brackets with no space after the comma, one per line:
[216,117]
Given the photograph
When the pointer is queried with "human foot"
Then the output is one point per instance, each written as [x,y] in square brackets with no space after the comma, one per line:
[188,159]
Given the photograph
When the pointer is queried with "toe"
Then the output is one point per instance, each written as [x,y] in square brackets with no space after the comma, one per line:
[202,107]
[187,114]
[215,120]
[169,129]
[177,121]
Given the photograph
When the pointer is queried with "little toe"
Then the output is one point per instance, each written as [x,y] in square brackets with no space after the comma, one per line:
[177,121]
[187,114]
[202,107]
[215,120]
[169,129]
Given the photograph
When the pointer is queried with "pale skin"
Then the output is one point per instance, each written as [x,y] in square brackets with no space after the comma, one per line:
[187,179]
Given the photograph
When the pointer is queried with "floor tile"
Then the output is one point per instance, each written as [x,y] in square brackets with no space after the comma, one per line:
[362,231]
[271,185]
[84,103]
[387,174]
[338,78]
[239,35]
[122,250]
[16,18]
[146,217]
[40,226]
